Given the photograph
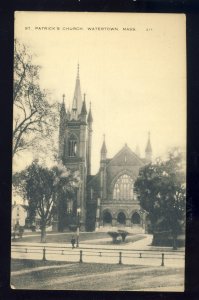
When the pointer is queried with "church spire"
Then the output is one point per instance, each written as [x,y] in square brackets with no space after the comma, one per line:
[148,150]
[63,109]
[90,117]
[83,110]
[103,149]
[77,99]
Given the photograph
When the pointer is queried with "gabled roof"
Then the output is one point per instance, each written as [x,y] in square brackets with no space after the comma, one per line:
[18,204]
[126,155]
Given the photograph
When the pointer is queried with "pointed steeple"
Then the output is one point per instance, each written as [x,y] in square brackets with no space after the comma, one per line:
[63,114]
[89,122]
[90,117]
[104,149]
[83,110]
[148,146]
[148,150]
[63,109]
[77,99]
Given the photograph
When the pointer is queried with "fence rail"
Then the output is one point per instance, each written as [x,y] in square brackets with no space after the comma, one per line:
[83,253]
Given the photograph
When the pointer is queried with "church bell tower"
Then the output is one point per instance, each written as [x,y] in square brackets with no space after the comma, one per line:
[75,137]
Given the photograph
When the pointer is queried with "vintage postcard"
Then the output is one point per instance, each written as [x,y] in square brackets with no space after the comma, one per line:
[99,151]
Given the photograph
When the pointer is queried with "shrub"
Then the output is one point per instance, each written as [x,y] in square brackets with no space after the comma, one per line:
[114,235]
[123,234]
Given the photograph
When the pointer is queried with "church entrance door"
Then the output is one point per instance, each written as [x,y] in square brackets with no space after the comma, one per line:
[135,219]
[107,219]
[121,218]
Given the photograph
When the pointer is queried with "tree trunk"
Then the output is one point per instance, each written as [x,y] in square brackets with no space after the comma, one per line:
[43,234]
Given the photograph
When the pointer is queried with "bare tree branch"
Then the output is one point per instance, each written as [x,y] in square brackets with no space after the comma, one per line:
[32,112]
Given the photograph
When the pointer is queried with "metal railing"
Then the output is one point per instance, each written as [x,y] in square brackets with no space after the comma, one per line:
[120,254]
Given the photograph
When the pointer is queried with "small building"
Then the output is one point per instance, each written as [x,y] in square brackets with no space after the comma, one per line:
[19,215]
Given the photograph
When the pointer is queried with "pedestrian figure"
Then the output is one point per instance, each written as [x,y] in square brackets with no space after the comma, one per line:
[73,242]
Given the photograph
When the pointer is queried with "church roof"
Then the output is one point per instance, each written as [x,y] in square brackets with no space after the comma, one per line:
[77,99]
[94,181]
[137,150]
[126,154]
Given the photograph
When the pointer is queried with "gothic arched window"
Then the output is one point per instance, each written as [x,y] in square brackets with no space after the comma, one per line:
[135,219]
[72,146]
[123,188]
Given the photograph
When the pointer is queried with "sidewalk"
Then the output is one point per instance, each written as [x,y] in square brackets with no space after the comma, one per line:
[91,244]
[143,244]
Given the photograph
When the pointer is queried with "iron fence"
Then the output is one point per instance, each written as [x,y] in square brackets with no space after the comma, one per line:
[83,253]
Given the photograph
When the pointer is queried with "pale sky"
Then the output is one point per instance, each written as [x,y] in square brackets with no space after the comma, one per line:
[135,79]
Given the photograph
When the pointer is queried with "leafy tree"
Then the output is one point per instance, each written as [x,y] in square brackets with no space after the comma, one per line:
[41,187]
[34,118]
[161,192]
[66,184]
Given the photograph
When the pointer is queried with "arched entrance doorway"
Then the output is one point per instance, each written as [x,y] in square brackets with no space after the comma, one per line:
[135,219]
[107,218]
[121,218]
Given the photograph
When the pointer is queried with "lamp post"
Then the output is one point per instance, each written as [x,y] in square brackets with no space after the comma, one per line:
[78,225]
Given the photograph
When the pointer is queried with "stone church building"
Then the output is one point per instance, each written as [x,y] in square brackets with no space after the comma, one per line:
[107,200]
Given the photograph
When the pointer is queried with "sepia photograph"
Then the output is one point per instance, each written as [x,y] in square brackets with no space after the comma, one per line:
[99,152]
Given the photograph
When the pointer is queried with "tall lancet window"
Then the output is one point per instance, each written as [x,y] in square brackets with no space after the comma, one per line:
[72,146]
[123,188]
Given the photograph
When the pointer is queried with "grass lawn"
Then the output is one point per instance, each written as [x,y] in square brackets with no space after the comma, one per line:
[20,264]
[56,237]
[84,236]
[88,276]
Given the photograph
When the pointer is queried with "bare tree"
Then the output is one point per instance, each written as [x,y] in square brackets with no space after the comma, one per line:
[34,118]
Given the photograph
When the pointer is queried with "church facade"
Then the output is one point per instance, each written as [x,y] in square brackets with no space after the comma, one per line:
[107,200]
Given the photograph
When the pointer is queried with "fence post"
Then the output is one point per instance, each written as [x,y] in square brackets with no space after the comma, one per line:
[120,258]
[62,252]
[26,250]
[44,254]
[140,255]
[80,258]
[162,264]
